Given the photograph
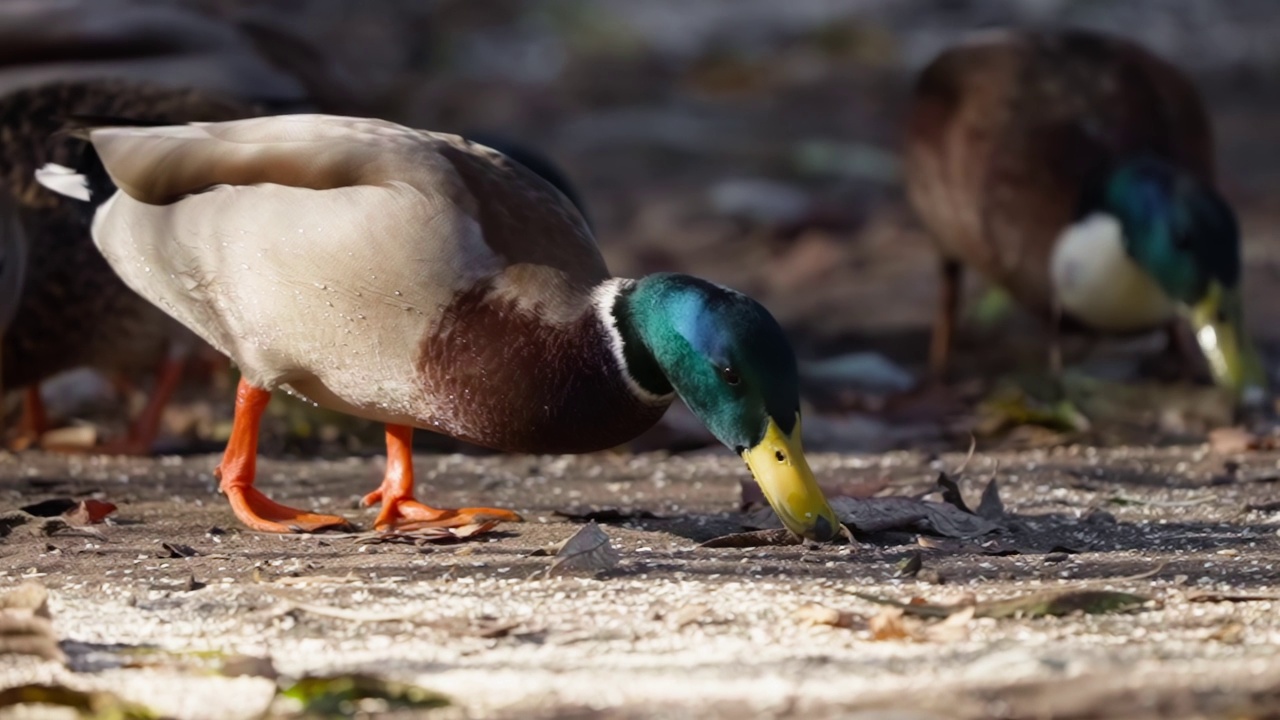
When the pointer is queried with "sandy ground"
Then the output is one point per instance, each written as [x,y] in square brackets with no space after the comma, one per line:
[674,630]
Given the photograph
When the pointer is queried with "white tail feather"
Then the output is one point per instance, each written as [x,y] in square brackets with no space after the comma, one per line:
[64,181]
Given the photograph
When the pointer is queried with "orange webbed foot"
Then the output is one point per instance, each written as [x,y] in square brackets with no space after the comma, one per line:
[263,514]
[401,512]
[405,513]
[239,465]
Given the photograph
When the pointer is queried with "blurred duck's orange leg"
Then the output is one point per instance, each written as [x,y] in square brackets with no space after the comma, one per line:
[399,509]
[143,431]
[239,463]
[34,422]
[944,324]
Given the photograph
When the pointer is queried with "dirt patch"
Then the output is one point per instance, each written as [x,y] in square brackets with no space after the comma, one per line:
[711,632]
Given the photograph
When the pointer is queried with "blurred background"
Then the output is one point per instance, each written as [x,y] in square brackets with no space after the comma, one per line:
[752,142]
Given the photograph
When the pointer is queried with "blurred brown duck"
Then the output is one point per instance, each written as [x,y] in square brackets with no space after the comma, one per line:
[1076,171]
[112,57]
[72,310]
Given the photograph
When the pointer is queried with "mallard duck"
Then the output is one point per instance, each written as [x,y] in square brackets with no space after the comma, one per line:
[1076,171]
[73,311]
[424,281]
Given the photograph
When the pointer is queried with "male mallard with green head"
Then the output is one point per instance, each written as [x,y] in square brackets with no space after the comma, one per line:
[1076,171]
[424,281]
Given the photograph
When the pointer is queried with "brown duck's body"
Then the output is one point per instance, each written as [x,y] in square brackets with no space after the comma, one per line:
[73,310]
[1006,133]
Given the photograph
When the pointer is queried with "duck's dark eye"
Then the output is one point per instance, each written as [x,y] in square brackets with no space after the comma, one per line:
[730,376]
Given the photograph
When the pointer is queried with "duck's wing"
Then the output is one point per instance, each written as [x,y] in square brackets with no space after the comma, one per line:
[315,226]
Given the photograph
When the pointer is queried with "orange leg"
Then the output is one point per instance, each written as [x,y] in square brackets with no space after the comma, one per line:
[239,463]
[34,422]
[944,325]
[143,431]
[401,511]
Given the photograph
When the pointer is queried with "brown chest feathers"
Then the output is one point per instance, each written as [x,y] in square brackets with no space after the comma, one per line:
[502,377]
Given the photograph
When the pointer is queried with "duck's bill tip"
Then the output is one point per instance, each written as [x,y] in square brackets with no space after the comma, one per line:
[780,468]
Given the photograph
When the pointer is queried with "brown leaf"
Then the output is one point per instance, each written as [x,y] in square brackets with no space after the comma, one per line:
[587,550]
[955,628]
[176,550]
[816,614]
[892,624]
[25,627]
[493,629]
[779,537]
[689,615]
[249,666]
[74,512]
[1231,633]
[89,704]
[30,597]
[412,534]
[1233,440]
[88,512]
[1040,604]
[909,566]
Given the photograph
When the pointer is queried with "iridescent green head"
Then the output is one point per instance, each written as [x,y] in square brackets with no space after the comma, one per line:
[1182,232]
[731,363]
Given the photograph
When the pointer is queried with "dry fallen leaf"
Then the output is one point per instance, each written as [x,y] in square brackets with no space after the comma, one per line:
[29,597]
[1040,604]
[1231,633]
[1233,441]
[689,615]
[892,624]
[25,627]
[587,550]
[778,537]
[410,534]
[816,614]
[89,512]
[954,629]
[74,512]
[91,704]
[340,695]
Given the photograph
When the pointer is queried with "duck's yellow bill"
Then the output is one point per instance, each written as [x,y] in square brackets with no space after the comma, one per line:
[778,465]
[1218,321]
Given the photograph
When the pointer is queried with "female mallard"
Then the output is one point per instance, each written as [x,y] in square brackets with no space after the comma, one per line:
[421,280]
[73,311]
[1076,170]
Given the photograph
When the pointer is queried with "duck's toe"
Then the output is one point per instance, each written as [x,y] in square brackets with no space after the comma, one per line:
[263,514]
[409,514]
